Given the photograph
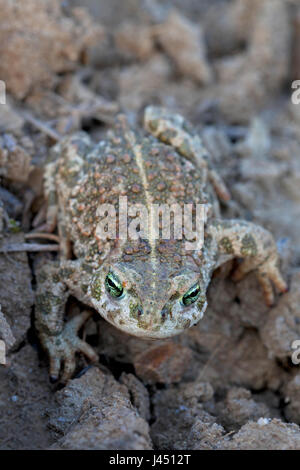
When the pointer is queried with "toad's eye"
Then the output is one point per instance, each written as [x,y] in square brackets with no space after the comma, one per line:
[113,285]
[191,295]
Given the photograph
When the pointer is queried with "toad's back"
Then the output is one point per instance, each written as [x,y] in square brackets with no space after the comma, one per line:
[139,168]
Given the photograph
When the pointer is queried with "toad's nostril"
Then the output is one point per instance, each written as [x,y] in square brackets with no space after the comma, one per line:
[139,311]
[165,311]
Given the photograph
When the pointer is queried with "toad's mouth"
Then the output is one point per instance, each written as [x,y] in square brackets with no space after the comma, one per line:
[149,326]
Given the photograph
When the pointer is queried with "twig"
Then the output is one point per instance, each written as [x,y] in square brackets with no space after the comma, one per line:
[42,126]
[47,236]
[30,247]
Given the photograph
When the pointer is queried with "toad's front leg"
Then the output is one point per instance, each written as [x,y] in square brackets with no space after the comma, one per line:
[256,245]
[59,339]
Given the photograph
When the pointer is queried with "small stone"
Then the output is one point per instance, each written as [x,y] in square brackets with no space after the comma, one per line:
[165,363]
[98,414]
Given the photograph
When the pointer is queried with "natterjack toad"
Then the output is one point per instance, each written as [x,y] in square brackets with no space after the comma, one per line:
[147,286]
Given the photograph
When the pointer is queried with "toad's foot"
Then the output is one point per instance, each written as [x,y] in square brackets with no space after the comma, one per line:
[258,248]
[62,348]
[267,273]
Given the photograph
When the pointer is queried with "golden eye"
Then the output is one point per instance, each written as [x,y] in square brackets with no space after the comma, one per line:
[113,285]
[191,295]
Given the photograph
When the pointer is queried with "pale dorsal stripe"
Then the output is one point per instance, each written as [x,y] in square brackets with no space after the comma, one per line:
[137,150]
